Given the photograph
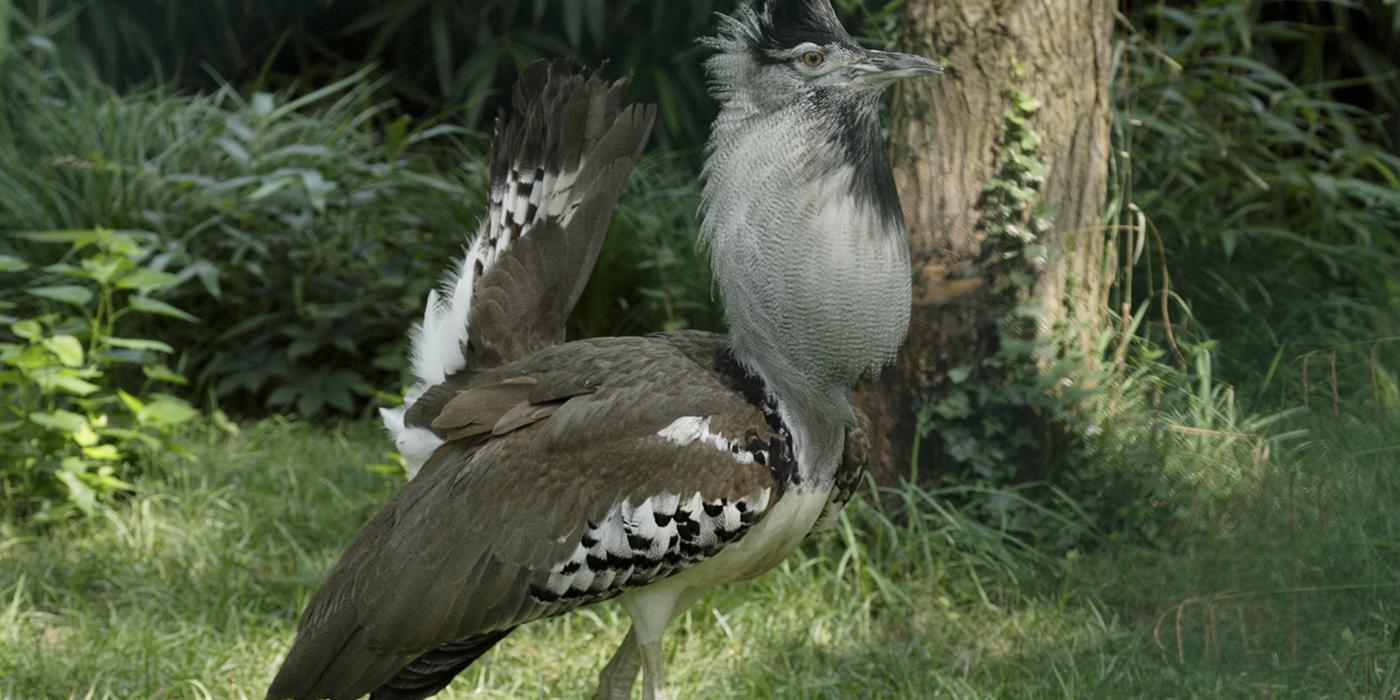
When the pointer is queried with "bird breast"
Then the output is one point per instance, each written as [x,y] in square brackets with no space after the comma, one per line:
[811,274]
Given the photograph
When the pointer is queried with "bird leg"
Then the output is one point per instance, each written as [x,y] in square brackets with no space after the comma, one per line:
[654,671]
[651,609]
[618,677]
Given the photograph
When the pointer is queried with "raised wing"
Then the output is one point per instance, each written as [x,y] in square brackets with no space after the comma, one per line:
[567,478]
[558,163]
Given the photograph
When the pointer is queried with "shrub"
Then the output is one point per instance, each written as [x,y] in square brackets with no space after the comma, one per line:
[309,230]
[69,435]
[1266,181]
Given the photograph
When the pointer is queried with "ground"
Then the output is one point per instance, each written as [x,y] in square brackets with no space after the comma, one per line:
[1284,585]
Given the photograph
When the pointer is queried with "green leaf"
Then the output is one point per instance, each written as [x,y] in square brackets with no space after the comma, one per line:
[161,373]
[138,344]
[66,421]
[166,410]
[106,480]
[133,404]
[146,280]
[29,329]
[79,492]
[102,268]
[148,305]
[222,422]
[269,188]
[309,404]
[108,453]
[282,395]
[66,348]
[147,439]
[70,384]
[85,436]
[74,236]
[10,263]
[66,293]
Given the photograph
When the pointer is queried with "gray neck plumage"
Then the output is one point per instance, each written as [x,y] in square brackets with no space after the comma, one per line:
[809,254]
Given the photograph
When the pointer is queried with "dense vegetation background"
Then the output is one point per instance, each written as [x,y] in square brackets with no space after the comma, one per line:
[217,221]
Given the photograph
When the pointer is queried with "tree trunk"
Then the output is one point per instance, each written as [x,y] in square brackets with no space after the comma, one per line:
[950,152]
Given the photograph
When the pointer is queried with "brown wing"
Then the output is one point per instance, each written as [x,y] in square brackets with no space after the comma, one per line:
[572,476]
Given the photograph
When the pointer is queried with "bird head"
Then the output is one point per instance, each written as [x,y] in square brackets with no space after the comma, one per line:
[791,49]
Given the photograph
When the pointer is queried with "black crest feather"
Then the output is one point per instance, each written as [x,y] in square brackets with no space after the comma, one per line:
[787,23]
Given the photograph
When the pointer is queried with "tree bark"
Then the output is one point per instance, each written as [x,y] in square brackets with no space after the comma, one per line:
[947,145]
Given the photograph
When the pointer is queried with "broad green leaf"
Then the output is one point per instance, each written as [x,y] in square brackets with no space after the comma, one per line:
[155,306]
[282,395]
[102,268]
[108,453]
[146,280]
[10,263]
[166,410]
[85,436]
[71,384]
[147,439]
[31,357]
[131,244]
[66,421]
[309,404]
[29,329]
[66,348]
[66,293]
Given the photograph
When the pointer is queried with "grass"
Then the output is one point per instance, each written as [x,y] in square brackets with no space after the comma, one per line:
[1282,580]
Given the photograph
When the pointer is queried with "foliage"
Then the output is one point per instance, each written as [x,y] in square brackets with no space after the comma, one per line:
[1265,195]
[310,232]
[70,434]
[443,55]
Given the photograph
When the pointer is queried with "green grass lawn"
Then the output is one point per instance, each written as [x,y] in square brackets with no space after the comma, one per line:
[1285,582]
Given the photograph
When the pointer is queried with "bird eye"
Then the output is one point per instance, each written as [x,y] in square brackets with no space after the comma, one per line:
[813,58]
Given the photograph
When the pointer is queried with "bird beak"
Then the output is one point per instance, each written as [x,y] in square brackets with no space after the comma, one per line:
[886,66]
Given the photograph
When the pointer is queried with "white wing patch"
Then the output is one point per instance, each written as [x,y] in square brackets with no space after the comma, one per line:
[689,429]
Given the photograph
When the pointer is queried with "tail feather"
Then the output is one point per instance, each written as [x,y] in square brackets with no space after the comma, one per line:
[558,163]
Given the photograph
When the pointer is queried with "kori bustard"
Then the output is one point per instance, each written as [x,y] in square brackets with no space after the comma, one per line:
[549,475]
